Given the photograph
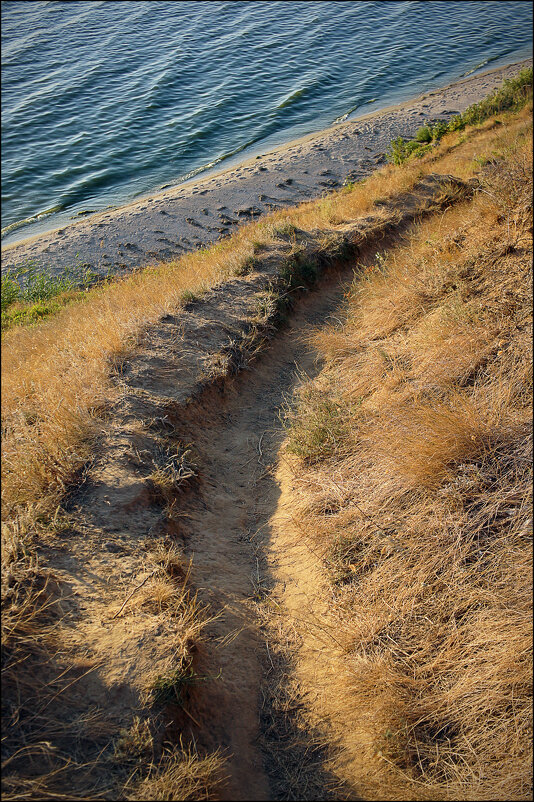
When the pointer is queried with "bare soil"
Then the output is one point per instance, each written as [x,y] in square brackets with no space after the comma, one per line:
[228,532]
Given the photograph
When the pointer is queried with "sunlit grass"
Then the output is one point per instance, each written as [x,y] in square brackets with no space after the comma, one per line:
[411,459]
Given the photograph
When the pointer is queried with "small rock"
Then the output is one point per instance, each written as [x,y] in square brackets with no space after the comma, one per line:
[110,546]
[249,211]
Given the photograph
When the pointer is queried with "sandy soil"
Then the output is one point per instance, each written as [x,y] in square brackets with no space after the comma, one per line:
[170,223]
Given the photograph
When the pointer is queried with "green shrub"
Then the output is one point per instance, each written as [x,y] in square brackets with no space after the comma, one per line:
[456,124]
[440,128]
[424,134]
[402,149]
[512,96]
[10,292]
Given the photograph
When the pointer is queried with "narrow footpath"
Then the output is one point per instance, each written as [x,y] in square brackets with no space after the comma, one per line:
[228,533]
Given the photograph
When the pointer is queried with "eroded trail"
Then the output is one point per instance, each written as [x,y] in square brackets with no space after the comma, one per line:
[238,433]
[228,532]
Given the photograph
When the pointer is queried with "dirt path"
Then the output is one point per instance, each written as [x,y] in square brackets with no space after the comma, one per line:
[229,534]
[109,549]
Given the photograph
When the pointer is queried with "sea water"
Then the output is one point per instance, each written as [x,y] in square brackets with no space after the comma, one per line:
[105,101]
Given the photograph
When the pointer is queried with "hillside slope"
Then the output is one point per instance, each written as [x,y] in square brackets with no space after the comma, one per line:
[194,608]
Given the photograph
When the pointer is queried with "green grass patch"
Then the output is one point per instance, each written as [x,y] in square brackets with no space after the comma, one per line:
[29,294]
[21,314]
[512,96]
[424,134]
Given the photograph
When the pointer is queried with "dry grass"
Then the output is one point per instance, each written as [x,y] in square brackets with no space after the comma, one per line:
[181,774]
[413,482]
[42,748]
[57,391]
[56,375]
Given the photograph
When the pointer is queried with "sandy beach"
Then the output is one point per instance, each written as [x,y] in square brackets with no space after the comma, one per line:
[167,224]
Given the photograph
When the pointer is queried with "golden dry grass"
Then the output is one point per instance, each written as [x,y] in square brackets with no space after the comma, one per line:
[181,774]
[53,745]
[413,482]
[57,391]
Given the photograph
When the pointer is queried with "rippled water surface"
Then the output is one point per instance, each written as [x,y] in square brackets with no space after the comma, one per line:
[106,101]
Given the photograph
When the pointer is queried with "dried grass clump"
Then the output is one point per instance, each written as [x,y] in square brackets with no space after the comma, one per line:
[181,774]
[416,491]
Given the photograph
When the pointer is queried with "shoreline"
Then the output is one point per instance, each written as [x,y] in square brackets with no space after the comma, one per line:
[164,225]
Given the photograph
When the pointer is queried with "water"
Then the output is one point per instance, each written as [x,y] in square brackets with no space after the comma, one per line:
[107,101]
